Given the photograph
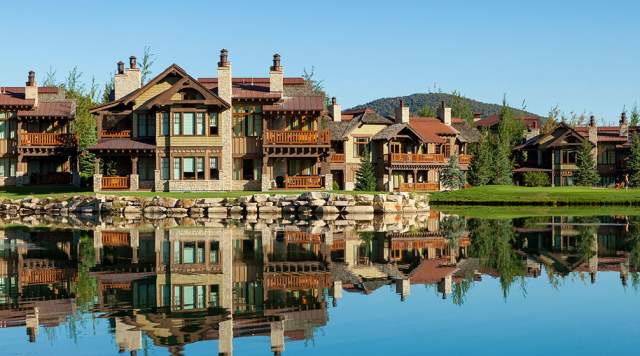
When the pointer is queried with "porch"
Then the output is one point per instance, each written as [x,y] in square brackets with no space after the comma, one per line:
[413,180]
[294,173]
[124,173]
[48,170]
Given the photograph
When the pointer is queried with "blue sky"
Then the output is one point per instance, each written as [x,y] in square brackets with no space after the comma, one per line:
[580,55]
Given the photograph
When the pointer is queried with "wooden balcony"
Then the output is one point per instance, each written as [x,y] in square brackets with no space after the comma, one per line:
[115,183]
[115,238]
[337,158]
[302,237]
[297,137]
[115,133]
[464,159]
[423,187]
[417,158]
[43,276]
[288,281]
[302,182]
[48,139]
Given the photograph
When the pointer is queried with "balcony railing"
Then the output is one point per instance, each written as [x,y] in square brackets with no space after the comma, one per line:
[464,159]
[302,237]
[337,158]
[115,182]
[47,139]
[302,182]
[417,158]
[297,137]
[115,238]
[115,133]
[424,187]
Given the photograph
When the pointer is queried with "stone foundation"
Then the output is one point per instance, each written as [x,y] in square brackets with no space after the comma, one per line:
[97,182]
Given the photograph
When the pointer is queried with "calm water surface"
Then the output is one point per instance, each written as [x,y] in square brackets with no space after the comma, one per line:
[436,284]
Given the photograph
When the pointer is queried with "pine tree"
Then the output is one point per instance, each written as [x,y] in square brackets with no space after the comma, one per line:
[366,175]
[587,175]
[451,176]
[633,165]
[502,166]
[480,168]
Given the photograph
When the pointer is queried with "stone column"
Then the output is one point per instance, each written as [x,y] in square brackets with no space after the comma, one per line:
[266,177]
[158,183]
[134,237]
[134,179]
[277,337]
[403,287]
[225,343]
[97,244]
[225,124]
[445,286]
[390,180]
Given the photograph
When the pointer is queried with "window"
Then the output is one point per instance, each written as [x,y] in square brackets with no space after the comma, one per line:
[188,120]
[7,167]
[164,173]
[237,168]
[188,168]
[606,156]
[146,168]
[213,123]
[165,124]
[446,150]
[360,146]
[568,157]
[146,125]
[247,121]
[214,173]
[200,124]
[200,167]
[247,169]
[3,129]
[176,168]
[177,124]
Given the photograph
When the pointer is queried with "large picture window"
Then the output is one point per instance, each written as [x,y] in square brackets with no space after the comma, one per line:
[189,124]
[164,162]
[568,157]
[213,123]
[360,146]
[247,121]
[146,125]
[165,124]
[188,168]
[214,172]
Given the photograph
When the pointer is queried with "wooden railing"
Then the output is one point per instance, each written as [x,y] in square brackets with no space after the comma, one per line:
[297,137]
[337,158]
[115,238]
[115,182]
[298,282]
[47,139]
[302,182]
[50,178]
[115,133]
[417,158]
[42,276]
[303,237]
[426,187]
[464,159]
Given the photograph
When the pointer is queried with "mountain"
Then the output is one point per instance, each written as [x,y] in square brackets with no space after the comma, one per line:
[387,106]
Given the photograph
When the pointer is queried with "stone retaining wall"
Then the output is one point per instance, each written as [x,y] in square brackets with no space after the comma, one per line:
[318,203]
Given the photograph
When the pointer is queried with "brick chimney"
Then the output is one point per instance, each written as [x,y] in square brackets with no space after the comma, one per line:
[402,113]
[593,130]
[276,76]
[127,80]
[31,88]
[336,110]
[444,114]
[224,118]
[624,125]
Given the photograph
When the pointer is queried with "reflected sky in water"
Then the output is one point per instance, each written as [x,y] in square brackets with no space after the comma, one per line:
[442,284]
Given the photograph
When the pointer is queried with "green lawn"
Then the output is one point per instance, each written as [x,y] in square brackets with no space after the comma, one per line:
[512,195]
[523,211]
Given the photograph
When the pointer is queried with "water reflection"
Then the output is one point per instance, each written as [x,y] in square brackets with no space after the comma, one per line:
[175,286]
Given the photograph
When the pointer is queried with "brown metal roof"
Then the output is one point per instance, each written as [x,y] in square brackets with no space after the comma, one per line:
[66,108]
[254,81]
[121,144]
[297,103]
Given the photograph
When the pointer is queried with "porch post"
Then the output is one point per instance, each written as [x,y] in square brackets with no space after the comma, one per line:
[326,170]
[134,181]
[74,162]
[22,177]
[415,178]
[265,179]
[390,179]
[97,177]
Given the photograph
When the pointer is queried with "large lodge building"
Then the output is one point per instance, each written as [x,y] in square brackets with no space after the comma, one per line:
[179,133]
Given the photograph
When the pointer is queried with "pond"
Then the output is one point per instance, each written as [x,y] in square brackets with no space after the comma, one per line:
[430,284]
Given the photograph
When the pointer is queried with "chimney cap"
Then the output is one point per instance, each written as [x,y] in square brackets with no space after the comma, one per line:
[120,67]
[276,63]
[224,58]
[133,62]
[31,78]
[333,101]
[401,103]
[592,121]
[623,117]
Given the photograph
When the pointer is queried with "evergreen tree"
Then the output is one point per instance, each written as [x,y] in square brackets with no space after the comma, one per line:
[587,175]
[633,165]
[427,111]
[502,166]
[460,107]
[366,175]
[510,130]
[451,176]
[480,169]
[635,116]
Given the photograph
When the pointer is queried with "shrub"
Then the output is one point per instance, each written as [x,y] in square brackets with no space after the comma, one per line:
[536,179]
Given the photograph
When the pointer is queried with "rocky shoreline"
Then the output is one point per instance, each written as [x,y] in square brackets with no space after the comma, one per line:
[310,203]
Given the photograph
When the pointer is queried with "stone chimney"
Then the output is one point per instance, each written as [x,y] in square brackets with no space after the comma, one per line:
[127,80]
[31,88]
[224,119]
[624,125]
[402,113]
[276,76]
[444,114]
[336,110]
[593,130]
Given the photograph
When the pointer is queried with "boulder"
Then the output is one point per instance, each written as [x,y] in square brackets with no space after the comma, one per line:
[132,210]
[359,209]
[311,196]
[327,210]
[364,198]
[260,198]
[153,209]
[317,202]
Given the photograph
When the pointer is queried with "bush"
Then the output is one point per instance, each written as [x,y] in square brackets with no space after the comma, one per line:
[336,185]
[536,179]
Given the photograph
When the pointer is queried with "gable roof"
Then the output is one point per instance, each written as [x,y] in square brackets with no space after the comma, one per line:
[63,108]
[172,69]
[556,138]
[392,131]
[467,133]
[186,83]
[431,129]
[297,103]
